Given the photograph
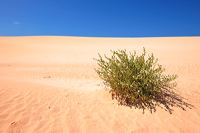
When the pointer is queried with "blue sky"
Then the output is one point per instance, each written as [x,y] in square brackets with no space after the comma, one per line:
[102,18]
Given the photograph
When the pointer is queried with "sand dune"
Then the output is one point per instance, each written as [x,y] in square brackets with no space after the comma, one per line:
[48,84]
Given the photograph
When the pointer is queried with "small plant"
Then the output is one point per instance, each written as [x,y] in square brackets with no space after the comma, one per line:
[138,80]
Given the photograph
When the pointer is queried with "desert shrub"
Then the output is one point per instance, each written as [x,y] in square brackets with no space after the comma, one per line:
[138,80]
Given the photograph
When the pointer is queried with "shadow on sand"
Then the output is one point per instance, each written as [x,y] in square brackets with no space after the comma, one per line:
[166,99]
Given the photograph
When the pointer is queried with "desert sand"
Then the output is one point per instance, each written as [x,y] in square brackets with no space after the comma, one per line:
[49,85]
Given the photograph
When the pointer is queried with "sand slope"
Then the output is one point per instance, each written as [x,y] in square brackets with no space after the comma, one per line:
[48,84]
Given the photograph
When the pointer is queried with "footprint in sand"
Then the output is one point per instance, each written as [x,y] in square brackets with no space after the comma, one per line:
[15,127]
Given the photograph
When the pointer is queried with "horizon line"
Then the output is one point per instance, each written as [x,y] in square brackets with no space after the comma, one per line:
[96,36]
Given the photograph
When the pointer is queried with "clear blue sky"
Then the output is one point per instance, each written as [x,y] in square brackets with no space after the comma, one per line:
[110,18]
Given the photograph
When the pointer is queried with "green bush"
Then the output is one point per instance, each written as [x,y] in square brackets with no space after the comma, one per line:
[138,80]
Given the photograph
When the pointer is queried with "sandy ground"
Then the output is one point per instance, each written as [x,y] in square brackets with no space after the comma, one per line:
[48,84]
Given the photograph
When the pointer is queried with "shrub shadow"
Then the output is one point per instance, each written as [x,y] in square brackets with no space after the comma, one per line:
[166,99]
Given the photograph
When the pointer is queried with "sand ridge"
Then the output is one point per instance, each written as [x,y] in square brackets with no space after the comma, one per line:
[48,84]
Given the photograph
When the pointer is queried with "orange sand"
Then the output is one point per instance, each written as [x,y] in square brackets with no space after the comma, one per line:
[48,84]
